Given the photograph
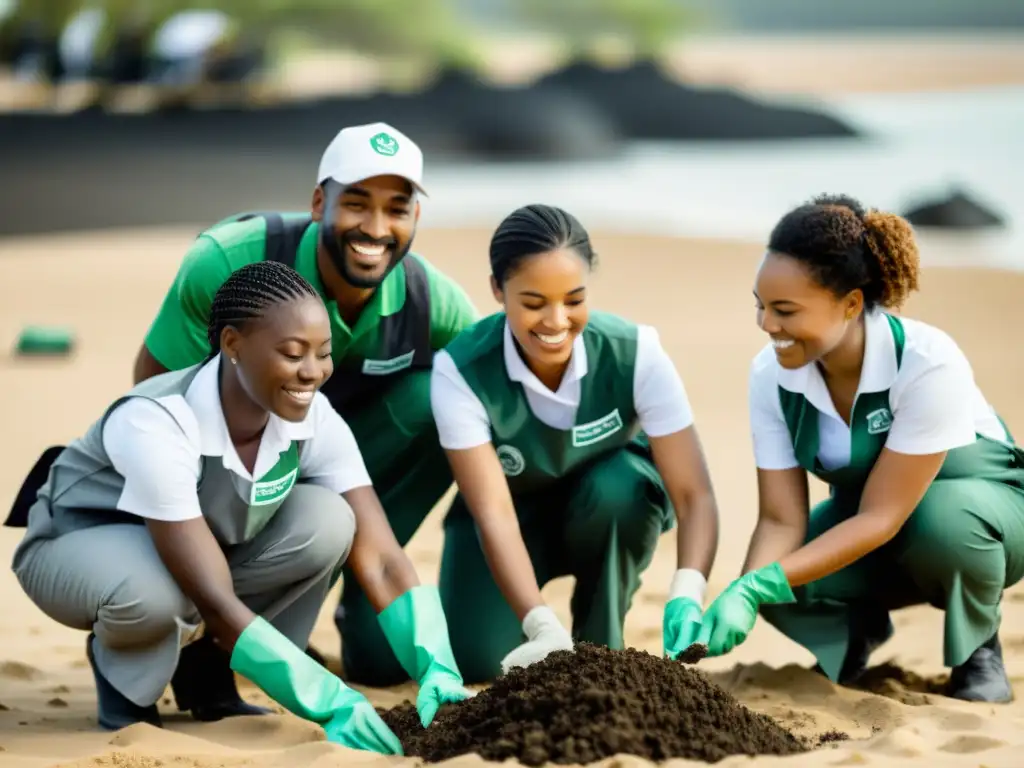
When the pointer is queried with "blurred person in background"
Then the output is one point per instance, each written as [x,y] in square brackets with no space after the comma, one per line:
[927,484]
[390,309]
[124,42]
[78,41]
[540,409]
[106,44]
[228,495]
[28,38]
[193,48]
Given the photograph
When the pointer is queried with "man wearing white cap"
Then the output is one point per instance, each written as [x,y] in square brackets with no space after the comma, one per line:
[390,310]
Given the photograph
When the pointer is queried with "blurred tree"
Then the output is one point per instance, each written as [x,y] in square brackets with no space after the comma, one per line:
[417,29]
[50,15]
[423,34]
[647,26]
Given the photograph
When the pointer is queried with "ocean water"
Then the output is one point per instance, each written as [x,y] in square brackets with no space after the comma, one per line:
[919,145]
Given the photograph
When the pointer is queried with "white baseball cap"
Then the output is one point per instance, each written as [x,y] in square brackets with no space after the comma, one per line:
[376,149]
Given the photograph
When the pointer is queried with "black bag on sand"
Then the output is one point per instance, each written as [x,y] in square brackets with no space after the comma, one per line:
[18,516]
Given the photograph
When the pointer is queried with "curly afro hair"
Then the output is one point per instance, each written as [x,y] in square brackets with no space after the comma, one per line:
[845,247]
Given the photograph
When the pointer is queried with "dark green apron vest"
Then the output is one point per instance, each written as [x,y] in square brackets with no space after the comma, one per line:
[534,455]
[861,595]
[870,421]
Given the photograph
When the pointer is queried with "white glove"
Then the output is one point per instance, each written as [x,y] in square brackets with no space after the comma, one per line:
[689,583]
[545,634]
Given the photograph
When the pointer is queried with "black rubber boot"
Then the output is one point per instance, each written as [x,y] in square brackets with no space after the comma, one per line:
[114,710]
[316,656]
[204,684]
[982,677]
[864,640]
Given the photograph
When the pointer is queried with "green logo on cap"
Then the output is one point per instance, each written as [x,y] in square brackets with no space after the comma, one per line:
[383,144]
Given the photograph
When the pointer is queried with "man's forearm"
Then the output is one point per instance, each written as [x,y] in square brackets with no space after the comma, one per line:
[391,577]
[146,366]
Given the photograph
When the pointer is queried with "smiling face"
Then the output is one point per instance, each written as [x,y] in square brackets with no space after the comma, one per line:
[805,320]
[283,357]
[369,226]
[545,300]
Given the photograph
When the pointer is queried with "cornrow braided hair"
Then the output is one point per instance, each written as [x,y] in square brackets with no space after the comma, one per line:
[249,292]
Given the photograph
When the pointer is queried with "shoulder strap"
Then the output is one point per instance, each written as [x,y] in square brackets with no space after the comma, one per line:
[417,291]
[802,422]
[899,337]
[283,237]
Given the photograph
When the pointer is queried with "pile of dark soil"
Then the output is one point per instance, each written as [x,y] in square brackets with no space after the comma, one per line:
[832,736]
[902,685]
[585,706]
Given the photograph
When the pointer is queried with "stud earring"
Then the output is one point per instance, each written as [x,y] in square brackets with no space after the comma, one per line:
[234,361]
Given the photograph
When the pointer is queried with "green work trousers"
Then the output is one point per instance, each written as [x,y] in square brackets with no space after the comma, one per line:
[398,439]
[601,524]
[959,549]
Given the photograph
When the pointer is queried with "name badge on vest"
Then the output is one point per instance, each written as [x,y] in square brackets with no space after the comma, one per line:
[386,367]
[879,421]
[270,491]
[597,430]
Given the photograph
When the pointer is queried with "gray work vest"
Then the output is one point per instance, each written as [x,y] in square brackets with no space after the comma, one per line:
[83,488]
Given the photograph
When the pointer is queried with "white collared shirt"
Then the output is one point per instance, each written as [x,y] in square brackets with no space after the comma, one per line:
[160,461]
[936,404]
[658,393]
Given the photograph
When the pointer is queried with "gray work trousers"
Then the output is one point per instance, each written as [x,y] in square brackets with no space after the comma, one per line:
[110,580]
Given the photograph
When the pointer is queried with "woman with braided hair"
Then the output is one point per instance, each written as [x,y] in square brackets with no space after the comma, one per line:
[222,500]
[927,484]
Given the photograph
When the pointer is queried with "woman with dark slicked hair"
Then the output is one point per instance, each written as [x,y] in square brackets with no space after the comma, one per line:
[927,484]
[572,441]
[221,501]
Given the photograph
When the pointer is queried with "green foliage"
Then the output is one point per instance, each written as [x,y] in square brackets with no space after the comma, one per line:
[647,26]
[413,28]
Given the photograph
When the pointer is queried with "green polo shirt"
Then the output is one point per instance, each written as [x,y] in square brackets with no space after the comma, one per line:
[177,337]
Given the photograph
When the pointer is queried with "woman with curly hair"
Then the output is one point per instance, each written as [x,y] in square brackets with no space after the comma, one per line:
[926,501]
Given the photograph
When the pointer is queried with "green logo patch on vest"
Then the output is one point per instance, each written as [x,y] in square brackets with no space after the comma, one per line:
[385,367]
[879,421]
[384,144]
[597,430]
[275,485]
[512,461]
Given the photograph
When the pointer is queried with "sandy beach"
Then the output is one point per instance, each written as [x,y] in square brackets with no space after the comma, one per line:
[106,286]
[822,64]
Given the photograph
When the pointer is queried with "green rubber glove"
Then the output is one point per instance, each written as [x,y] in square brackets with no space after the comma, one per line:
[288,676]
[417,630]
[729,619]
[680,625]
